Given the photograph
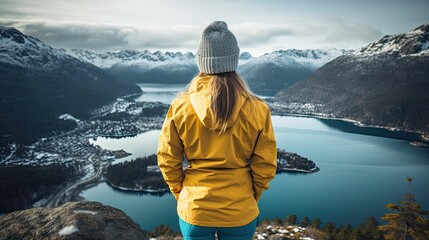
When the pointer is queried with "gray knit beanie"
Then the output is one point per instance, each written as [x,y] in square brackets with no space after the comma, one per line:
[218,49]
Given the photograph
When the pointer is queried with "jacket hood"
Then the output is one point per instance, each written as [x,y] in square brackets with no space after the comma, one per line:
[201,101]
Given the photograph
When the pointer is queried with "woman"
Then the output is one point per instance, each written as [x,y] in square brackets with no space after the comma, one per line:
[225,133]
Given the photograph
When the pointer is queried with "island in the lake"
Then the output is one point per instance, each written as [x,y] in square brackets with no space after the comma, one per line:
[140,175]
[120,153]
[292,162]
[143,174]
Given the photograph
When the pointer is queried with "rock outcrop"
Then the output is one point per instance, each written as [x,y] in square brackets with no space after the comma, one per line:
[73,220]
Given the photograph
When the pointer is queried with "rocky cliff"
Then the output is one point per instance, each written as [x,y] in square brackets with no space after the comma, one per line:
[73,220]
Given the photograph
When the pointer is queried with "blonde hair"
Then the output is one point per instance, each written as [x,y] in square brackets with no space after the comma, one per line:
[223,89]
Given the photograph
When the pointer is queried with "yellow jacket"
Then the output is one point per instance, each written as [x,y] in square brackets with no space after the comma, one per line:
[228,172]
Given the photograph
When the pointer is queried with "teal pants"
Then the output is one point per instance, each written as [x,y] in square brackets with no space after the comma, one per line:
[192,232]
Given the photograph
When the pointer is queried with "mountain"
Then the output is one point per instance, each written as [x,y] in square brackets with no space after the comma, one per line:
[145,66]
[385,83]
[38,83]
[142,66]
[271,72]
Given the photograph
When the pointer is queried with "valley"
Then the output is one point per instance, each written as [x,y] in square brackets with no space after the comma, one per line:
[73,148]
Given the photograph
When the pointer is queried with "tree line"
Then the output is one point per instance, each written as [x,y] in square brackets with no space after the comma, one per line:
[293,160]
[21,186]
[405,220]
[135,175]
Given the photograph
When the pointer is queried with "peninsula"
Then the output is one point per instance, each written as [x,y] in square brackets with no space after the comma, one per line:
[143,174]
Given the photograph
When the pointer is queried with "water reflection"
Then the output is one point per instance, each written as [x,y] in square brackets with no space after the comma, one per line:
[153,92]
[139,146]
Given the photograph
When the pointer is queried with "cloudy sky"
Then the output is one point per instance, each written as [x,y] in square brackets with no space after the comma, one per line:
[172,25]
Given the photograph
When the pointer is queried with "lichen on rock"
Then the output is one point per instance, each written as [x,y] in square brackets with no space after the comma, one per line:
[72,221]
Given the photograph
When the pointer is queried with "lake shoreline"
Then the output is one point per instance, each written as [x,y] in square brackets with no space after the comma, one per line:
[282,170]
[155,191]
[295,170]
[335,150]
[423,137]
[166,190]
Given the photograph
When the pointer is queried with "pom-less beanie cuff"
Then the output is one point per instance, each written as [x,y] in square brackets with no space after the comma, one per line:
[215,65]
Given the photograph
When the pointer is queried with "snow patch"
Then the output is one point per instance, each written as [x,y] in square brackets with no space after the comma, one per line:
[136,60]
[40,203]
[260,237]
[411,43]
[85,212]
[309,58]
[68,230]
[69,117]
[13,149]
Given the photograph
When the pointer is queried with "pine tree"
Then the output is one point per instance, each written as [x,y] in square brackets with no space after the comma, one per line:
[408,221]
[305,222]
[344,232]
[291,220]
[368,231]
[277,221]
[329,229]
[315,223]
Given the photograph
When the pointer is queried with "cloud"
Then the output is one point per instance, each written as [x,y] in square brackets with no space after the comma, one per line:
[343,32]
[298,34]
[259,37]
[253,34]
[107,36]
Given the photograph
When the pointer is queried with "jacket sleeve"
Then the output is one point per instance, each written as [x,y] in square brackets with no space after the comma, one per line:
[170,155]
[263,161]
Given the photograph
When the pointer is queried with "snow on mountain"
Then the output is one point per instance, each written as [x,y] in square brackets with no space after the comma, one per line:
[385,84]
[143,59]
[314,58]
[26,51]
[245,57]
[274,71]
[38,83]
[414,42]
[146,66]
[309,58]
[155,67]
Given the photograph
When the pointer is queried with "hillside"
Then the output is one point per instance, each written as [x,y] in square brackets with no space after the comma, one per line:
[271,72]
[39,83]
[385,83]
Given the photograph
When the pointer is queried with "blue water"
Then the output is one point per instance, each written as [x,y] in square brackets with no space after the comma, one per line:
[359,175]
[159,92]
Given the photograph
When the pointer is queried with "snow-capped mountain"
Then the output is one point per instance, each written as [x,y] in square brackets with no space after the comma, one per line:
[280,69]
[145,66]
[385,83]
[145,60]
[140,66]
[26,51]
[271,72]
[414,42]
[38,83]
[309,58]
